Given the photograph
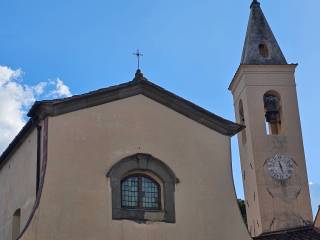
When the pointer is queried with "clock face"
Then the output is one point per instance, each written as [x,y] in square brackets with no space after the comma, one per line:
[280,167]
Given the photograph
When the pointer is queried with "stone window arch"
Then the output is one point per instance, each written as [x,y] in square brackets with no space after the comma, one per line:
[157,172]
[273,112]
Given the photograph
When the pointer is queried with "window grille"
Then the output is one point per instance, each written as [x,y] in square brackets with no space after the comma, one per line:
[140,192]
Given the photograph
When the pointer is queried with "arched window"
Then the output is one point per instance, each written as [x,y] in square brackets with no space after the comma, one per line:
[16,221]
[140,191]
[242,122]
[272,110]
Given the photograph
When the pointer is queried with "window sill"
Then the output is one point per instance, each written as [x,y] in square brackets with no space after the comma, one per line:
[139,216]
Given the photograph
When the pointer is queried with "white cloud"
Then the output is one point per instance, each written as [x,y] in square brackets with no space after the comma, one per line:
[40,87]
[13,98]
[16,98]
[7,74]
[60,89]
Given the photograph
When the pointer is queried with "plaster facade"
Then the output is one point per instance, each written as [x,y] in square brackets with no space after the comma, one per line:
[18,185]
[271,205]
[76,200]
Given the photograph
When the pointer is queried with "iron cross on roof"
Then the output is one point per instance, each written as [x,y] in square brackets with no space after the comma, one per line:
[138,54]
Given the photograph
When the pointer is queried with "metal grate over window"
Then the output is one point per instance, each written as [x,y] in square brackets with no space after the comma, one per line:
[140,192]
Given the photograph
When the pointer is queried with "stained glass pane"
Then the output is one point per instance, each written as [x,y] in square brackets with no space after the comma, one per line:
[129,191]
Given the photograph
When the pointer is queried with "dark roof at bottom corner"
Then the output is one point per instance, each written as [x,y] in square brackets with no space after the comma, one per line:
[305,233]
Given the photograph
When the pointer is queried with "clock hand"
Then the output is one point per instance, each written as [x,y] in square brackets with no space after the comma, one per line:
[281,167]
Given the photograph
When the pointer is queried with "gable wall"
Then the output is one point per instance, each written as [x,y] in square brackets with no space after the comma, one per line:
[84,145]
[18,185]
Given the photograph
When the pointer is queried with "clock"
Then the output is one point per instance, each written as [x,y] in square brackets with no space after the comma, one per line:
[280,167]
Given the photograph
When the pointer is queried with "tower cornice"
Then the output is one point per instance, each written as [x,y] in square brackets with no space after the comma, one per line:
[247,68]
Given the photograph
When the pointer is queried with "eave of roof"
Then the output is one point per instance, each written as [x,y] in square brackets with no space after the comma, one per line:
[16,141]
[139,85]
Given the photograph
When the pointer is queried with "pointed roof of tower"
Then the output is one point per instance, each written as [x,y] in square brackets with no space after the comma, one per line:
[260,45]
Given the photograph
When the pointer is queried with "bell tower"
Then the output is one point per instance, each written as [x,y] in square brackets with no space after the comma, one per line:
[271,147]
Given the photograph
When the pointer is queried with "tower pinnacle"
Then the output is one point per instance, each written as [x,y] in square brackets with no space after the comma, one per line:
[254,2]
[261,46]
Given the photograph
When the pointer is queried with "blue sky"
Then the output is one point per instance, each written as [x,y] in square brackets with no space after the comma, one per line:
[192,48]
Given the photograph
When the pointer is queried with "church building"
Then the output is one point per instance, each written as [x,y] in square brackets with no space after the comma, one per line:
[137,162]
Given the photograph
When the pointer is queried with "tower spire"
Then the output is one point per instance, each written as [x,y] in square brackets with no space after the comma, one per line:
[254,2]
[261,46]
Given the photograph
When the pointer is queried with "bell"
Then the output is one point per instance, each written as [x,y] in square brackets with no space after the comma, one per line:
[272,116]
[271,104]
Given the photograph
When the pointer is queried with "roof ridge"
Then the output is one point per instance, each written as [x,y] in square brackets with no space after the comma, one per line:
[139,86]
